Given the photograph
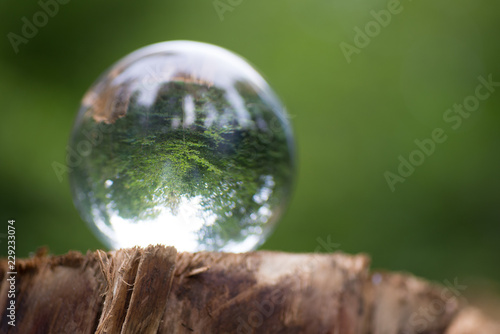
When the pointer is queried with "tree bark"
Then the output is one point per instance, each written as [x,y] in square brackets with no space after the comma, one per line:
[157,290]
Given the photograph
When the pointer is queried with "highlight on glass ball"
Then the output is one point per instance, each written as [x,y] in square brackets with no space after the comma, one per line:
[183,144]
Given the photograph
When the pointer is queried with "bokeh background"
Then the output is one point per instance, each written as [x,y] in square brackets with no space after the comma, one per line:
[352,120]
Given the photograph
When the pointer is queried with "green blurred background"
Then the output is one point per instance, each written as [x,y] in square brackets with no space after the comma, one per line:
[352,120]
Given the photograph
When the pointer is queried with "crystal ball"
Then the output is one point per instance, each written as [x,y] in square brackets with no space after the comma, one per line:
[184,144]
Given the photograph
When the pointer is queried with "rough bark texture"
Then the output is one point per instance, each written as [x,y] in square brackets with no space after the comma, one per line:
[157,290]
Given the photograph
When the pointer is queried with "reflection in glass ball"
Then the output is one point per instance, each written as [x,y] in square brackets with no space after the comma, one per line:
[184,144]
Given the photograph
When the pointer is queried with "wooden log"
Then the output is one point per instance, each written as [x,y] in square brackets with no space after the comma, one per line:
[157,290]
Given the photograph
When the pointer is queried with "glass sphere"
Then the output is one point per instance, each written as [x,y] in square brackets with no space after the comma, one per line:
[183,144]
